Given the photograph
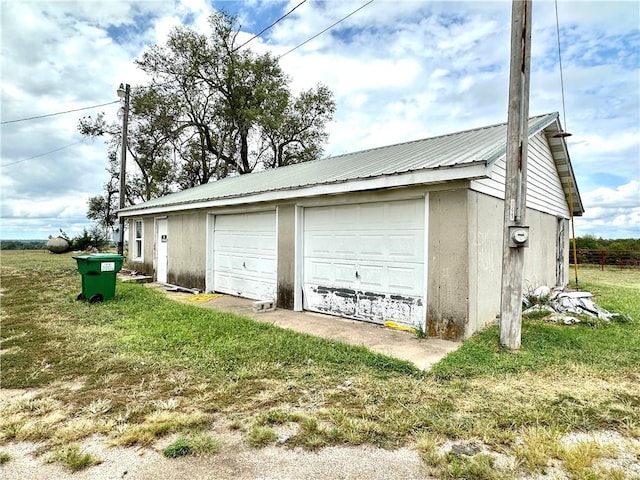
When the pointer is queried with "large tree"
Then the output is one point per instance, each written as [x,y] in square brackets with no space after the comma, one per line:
[211,109]
[152,172]
[231,109]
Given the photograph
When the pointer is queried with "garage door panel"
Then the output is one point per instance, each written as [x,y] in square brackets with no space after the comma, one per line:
[372,245]
[372,276]
[318,243]
[404,214]
[244,260]
[258,265]
[406,246]
[347,215]
[318,271]
[344,273]
[342,244]
[403,279]
[319,219]
[372,261]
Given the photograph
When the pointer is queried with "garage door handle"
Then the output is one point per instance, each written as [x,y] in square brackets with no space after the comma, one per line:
[244,265]
[357,275]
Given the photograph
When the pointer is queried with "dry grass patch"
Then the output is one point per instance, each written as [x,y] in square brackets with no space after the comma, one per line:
[158,424]
[79,428]
[579,458]
[98,407]
[429,446]
[536,447]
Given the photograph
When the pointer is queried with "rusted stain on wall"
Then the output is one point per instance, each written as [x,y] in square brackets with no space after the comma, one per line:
[446,326]
[364,305]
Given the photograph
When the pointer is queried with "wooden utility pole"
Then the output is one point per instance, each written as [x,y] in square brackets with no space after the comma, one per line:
[516,233]
[123,92]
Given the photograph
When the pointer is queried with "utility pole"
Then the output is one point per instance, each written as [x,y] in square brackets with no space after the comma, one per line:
[123,92]
[516,233]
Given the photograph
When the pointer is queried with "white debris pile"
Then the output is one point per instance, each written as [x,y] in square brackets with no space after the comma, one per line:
[561,305]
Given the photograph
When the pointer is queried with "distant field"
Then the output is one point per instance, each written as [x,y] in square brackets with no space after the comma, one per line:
[22,244]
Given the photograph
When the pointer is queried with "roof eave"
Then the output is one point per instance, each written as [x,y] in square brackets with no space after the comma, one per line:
[467,171]
[560,153]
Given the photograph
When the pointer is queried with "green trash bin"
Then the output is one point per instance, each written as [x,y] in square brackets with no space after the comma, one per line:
[98,272]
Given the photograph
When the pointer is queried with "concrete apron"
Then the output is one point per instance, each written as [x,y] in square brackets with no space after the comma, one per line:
[423,353]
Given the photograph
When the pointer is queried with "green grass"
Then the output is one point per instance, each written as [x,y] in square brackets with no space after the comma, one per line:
[613,347]
[142,366]
[74,459]
[261,436]
[195,444]
[4,458]
[607,347]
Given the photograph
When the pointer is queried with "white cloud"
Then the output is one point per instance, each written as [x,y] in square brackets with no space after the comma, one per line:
[615,210]
[627,195]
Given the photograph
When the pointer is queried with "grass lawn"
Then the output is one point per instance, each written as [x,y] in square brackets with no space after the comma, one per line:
[143,366]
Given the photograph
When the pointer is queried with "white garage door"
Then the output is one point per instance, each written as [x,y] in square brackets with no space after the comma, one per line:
[366,261]
[244,259]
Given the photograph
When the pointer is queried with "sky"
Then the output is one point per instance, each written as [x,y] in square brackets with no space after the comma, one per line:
[399,70]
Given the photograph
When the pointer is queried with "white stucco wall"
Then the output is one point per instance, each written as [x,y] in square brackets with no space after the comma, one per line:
[485,256]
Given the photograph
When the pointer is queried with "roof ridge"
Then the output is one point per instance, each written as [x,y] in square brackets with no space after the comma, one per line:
[382,147]
[475,129]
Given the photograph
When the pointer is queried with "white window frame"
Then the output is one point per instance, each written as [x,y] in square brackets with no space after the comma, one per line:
[138,242]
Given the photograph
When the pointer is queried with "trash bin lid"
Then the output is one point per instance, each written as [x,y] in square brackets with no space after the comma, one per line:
[100,257]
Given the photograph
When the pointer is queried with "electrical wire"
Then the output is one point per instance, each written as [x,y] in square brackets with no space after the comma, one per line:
[564,120]
[59,113]
[328,28]
[270,26]
[564,113]
[41,154]
[237,48]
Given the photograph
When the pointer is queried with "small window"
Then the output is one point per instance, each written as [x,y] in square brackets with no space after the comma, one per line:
[137,240]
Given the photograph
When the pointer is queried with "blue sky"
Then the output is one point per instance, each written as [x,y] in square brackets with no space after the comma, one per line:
[400,71]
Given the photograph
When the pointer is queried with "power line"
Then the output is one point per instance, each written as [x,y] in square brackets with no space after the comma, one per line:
[270,26]
[564,113]
[59,113]
[328,28]
[42,154]
[297,46]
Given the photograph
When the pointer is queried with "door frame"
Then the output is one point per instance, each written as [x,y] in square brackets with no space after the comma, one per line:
[299,248]
[561,248]
[156,243]
[211,241]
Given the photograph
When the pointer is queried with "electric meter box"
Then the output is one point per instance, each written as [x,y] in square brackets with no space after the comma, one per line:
[518,236]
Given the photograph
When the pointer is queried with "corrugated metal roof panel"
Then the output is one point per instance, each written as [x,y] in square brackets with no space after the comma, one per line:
[466,147]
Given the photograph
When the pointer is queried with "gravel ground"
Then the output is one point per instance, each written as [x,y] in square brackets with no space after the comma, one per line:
[235,461]
[239,461]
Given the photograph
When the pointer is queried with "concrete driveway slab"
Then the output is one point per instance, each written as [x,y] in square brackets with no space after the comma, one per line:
[403,345]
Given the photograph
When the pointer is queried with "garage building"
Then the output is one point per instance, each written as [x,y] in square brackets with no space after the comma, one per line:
[410,233]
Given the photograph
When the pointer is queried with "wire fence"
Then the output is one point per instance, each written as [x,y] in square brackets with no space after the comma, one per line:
[608,258]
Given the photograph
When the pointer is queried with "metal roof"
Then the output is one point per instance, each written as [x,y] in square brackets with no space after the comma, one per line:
[466,148]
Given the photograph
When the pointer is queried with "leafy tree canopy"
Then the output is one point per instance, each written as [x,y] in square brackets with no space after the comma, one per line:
[211,110]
